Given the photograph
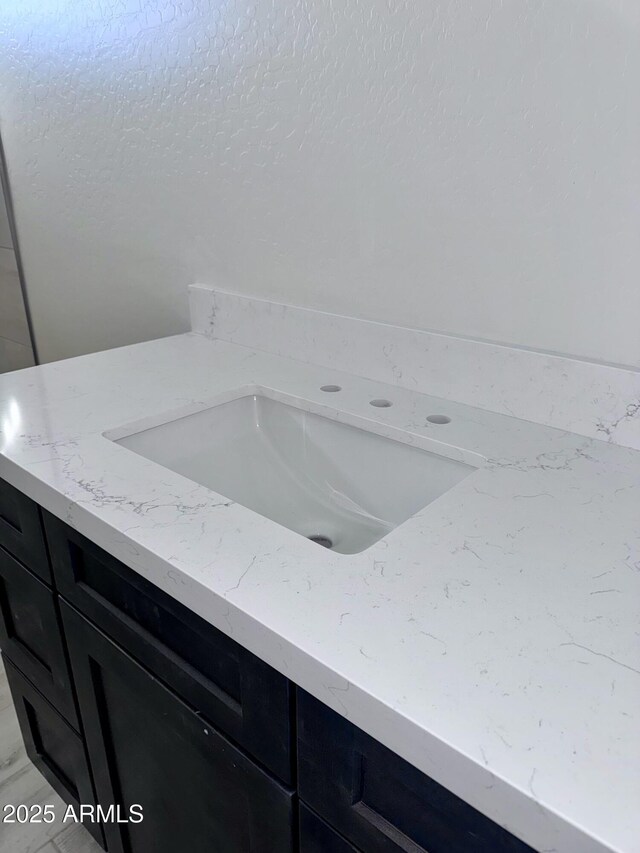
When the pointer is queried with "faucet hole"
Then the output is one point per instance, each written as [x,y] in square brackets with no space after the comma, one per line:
[381,404]
[439,419]
[331,388]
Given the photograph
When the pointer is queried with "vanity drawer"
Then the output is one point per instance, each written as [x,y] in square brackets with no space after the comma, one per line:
[52,745]
[316,836]
[378,801]
[21,531]
[30,634]
[242,696]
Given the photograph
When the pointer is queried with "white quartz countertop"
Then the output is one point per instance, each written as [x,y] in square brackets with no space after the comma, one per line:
[492,639]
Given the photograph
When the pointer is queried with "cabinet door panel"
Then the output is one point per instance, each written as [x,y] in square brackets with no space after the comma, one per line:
[377,800]
[240,694]
[52,745]
[30,634]
[21,530]
[198,792]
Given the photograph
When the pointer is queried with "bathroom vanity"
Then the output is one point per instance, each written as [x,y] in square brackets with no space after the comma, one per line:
[126,697]
[457,672]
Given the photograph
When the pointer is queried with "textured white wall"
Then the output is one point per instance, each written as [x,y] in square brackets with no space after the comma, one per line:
[469,166]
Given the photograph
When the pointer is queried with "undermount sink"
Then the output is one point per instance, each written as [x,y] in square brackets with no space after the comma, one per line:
[339,485]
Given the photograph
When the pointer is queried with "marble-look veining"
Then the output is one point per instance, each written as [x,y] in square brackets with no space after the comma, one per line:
[586,397]
[491,639]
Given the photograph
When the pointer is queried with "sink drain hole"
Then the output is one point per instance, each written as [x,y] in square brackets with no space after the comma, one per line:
[321,540]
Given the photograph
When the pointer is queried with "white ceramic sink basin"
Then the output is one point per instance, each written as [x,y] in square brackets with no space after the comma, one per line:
[340,485]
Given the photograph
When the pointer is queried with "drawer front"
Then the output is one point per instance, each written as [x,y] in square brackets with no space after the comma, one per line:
[196,790]
[31,634]
[316,836]
[378,801]
[52,745]
[21,530]
[242,696]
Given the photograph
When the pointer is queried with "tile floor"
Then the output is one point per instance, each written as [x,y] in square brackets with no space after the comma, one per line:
[20,782]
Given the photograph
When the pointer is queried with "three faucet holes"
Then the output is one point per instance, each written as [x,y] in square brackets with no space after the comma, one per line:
[380,403]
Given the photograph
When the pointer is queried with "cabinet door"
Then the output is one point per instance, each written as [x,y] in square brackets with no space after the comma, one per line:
[31,634]
[197,791]
[241,695]
[21,530]
[378,801]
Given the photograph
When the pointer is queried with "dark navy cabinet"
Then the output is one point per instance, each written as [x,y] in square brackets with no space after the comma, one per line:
[30,634]
[55,748]
[147,748]
[376,800]
[238,693]
[21,531]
